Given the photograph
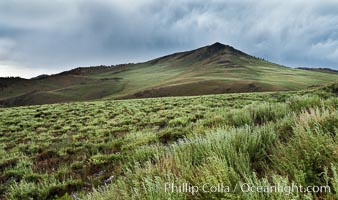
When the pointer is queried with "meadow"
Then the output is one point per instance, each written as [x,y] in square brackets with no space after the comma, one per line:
[129,149]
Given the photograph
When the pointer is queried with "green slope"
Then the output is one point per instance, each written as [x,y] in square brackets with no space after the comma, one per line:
[212,69]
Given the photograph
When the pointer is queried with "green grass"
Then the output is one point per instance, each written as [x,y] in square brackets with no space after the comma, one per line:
[129,149]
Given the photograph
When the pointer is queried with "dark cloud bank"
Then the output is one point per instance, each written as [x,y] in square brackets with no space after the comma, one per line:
[38,36]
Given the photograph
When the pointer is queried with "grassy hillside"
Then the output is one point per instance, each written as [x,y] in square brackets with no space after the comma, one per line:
[213,69]
[129,149]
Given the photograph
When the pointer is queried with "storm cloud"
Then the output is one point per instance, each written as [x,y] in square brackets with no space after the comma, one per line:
[38,36]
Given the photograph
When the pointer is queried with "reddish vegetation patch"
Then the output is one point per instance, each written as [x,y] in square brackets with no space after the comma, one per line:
[7,164]
[47,161]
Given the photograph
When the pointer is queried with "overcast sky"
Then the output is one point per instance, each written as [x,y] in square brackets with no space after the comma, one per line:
[39,36]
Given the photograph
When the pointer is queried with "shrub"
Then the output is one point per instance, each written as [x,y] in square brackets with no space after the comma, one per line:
[298,103]
[309,151]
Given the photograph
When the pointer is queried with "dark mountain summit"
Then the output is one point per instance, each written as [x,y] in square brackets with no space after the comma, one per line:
[217,47]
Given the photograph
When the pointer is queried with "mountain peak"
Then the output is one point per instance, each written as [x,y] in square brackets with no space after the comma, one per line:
[217,45]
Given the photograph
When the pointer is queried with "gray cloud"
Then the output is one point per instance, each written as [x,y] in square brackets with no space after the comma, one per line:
[50,36]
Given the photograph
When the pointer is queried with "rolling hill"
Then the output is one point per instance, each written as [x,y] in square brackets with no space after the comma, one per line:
[213,69]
